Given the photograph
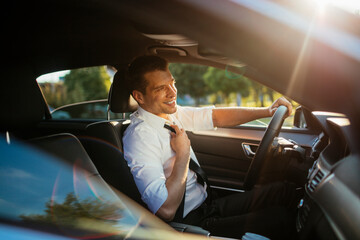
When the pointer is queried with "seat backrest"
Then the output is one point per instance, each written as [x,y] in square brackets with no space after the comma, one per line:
[67,147]
[103,142]
[87,186]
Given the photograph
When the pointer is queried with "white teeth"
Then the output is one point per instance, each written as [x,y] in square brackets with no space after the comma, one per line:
[171,102]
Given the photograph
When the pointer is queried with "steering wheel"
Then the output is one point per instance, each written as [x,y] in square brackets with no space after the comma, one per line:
[263,150]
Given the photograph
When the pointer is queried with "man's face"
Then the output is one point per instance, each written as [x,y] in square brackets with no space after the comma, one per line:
[160,96]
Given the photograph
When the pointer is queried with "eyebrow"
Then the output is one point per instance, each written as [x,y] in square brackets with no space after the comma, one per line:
[158,87]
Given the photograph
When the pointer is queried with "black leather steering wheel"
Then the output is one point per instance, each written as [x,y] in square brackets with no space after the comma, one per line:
[263,150]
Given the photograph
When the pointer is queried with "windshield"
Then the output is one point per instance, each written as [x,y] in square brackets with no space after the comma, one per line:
[38,189]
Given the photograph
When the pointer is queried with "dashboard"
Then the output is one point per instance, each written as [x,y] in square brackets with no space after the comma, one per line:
[330,208]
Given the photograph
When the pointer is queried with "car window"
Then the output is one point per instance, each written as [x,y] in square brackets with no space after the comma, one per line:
[97,109]
[202,86]
[79,93]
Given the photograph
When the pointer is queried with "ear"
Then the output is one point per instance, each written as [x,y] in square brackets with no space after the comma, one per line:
[138,96]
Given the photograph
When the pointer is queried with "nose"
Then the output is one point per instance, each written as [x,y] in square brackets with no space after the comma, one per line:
[172,90]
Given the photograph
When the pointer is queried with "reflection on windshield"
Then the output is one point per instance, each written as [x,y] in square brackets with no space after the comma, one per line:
[83,214]
[49,192]
[38,189]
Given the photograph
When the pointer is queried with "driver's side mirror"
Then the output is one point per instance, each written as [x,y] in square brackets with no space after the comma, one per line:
[299,118]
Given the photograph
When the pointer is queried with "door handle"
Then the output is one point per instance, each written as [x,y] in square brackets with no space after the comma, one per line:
[248,149]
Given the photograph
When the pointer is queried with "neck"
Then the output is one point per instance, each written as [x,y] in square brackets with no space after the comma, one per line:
[164,115]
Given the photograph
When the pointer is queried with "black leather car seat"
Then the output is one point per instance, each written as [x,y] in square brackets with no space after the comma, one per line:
[68,148]
[103,142]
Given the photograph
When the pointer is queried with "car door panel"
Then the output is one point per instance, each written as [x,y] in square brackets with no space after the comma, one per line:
[219,172]
[222,155]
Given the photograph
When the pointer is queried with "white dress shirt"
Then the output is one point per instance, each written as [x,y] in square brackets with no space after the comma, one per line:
[150,157]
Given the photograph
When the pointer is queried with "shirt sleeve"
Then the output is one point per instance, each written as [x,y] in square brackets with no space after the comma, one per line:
[142,151]
[193,118]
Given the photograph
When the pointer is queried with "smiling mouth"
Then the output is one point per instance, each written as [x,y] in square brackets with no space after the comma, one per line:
[170,102]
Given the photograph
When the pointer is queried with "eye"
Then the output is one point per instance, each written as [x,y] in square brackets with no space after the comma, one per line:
[159,88]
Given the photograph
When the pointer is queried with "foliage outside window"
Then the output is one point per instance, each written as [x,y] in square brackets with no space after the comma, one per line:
[197,86]
[201,85]
[77,85]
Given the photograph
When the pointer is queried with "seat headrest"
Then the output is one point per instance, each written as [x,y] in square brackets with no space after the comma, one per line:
[120,99]
[22,105]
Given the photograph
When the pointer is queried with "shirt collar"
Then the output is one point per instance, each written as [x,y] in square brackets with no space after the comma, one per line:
[153,120]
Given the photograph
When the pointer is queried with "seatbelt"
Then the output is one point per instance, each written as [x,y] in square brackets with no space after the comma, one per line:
[201,179]
[201,175]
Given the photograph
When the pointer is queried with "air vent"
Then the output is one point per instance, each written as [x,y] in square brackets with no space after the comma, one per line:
[315,181]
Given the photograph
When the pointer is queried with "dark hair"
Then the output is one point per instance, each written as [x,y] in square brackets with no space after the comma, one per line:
[139,67]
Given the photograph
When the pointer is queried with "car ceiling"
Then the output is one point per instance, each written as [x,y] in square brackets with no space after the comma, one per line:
[46,36]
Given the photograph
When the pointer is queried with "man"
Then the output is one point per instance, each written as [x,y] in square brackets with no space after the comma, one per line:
[159,159]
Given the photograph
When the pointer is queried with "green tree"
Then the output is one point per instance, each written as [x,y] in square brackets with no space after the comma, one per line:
[85,84]
[189,80]
[260,92]
[222,83]
[54,93]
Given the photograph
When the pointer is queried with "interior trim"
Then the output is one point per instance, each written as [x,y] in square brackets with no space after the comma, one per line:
[304,138]
[227,189]
[230,133]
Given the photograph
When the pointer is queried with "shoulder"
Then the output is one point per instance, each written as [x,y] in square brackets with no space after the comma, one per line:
[195,118]
[141,142]
[139,129]
[186,110]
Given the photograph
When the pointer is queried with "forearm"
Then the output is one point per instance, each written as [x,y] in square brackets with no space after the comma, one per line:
[228,117]
[175,185]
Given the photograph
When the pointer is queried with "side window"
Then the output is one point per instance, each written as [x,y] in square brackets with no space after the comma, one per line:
[86,110]
[79,93]
[201,85]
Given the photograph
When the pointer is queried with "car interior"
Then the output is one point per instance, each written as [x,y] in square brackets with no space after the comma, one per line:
[320,153]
